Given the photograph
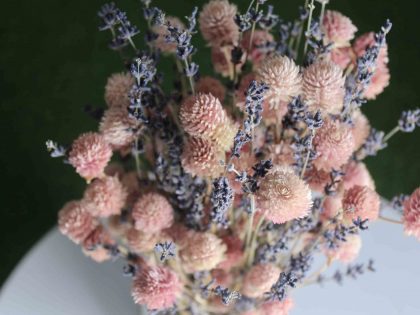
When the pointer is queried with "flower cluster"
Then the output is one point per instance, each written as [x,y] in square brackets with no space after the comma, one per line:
[223,191]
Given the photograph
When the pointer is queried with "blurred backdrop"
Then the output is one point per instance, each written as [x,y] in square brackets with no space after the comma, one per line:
[53,62]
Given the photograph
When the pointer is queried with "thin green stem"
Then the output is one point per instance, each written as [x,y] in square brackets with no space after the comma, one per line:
[305,165]
[321,16]
[251,254]
[189,77]
[390,220]
[299,39]
[252,33]
[308,28]
[391,133]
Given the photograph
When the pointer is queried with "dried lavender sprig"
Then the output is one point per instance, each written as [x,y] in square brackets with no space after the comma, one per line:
[166,250]
[221,199]
[55,149]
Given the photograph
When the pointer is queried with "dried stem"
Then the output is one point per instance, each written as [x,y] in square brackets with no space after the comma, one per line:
[391,133]
[390,220]
[308,28]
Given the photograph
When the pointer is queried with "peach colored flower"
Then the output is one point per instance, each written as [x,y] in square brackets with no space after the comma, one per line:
[334,145]
[156,287]
[277,307]
[131,184]
[338,28]
[117,90]
[317,179]
[202,251]
[140,242]
[234,253]
[260,38]
[161,31]
[217,23]
[209,85]
[332,205]
[361,201]
[93,245]
[323,87]
[357,174]
[89,155]
[259,280]
[411,217]
[152,213]
[114,169]
[283,196]
[75,221]
[380,80]
[342,57]
[360,129]
[106,196]
[347,251]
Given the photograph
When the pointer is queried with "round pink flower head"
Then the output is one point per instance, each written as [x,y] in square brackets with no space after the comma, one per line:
[106,196]
[380,80]
[89,155]
[131,184]
[217,23]
[332,206]
[317,179]
[347,251]
[360,129]
[338,28]
[342,57]
[118,129]
[203,116]
[209,85]
[282,76]
[260,38]
[357,174]
[323,87]
[202,158]
[152,213]
[334,144]
[259,280]
[156,287]
[277,307]
[202,251]
[117,90]
[140,242]
[283,196]
[412,214]
[161,31]
[94,244]
[361,201]
[234,252]
[220,58]
[75,221]
[367,40]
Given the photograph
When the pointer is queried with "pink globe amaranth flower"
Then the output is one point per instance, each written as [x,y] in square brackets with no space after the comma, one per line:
[118,128]
[281,154]
[178,233]
[131,184]
[106,196]
[323,87]
[217,24]
[202,251]
[342,57]
[221,277]
[367,40]
[283,196]
[202,158]
[89,155]
[161,31]
[277,307]
[334,145]
[338,28]
[234,252]
[156,287]
[411,217]
[361,201]
[360,129]
[75,221]
[221,60]
[140,242]
[282,76]
[380,80]
[93,245]
[347,251]
[260,38]
[114,169]
[117,90]
[357,174]
[259,280]
[332,205]
[152,213]
[317,179]
[209,85]
[203,116]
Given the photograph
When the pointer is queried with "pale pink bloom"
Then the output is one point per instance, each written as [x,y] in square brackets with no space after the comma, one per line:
[234,253]
[412,215]
[94,244]
[317,179]
[334,145]
[152,213]
[156,287]
[140,242]
[178,233]
[162,31]
[332,205]
[360,128]
[342,57]
[338,28]
[202,251]
[131,184]
[117,89]
[209,85]
[221,277]
[75,221]
[277,307]
[106,196]
[347,251]
[282,76]
[217,23]
[361,201]
[283,196]
[281,154]
[114,169]
[118,128]
[380,80]
[259,280]
[221,61]
[89,155]
[357,174]
[259,39]
[203,116]
[323,87]
[367,40]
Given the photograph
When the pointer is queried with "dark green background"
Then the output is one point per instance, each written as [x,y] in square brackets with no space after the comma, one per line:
[53,61]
